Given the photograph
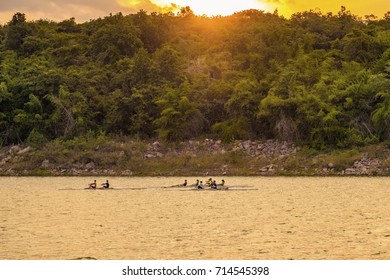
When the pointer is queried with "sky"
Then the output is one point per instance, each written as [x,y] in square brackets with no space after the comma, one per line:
[85,10]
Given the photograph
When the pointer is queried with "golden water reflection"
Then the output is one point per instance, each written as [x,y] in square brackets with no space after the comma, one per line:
[284,218]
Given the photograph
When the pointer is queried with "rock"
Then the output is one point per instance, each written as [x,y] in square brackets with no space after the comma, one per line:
[90,165]
[268,148]
[127,172]
[268,169]
[14,149]
[364,171]
[25,150]
[154,155]
[350,171]
[365,166]
[10,172]
[75,172]
[246,145]
[159,155]
[5,160]
[45,163]
[271,166]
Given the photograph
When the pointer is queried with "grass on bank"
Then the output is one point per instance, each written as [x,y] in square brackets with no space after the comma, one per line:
[103,154]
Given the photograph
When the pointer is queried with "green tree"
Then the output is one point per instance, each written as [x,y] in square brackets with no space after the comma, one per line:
[5,114]
[317,79]
[241,108]
[17,30]
[131,112]
[362,47]
[179,117]
[153,29]
[70,115]
[115,39]
[29,119]
[381,116]
[169,65]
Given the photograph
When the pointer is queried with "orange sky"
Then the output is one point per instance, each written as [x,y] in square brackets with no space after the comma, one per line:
[84,10]
[357,7]
[285,7]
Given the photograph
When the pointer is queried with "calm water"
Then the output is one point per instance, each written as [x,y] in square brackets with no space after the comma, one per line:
[285,218]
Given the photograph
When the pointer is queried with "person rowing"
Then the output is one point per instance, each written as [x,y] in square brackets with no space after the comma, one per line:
[200,186]
[209,182]
[106,185]
[185,183]
[92,185]
[213,185]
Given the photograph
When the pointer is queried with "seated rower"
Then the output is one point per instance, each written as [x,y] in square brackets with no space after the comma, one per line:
[213,185]
[185,183]
[93,185]
[200,186]
[106,185]
[223,183]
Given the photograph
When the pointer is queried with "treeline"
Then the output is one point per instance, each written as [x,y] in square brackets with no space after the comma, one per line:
[321,80]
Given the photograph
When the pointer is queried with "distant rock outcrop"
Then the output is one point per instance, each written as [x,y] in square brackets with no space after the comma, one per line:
[268,158]
[365,166]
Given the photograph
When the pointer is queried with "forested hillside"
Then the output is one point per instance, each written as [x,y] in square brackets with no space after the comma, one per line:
[318,80]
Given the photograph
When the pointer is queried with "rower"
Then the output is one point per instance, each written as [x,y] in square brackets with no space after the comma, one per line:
[223,183]
[209,182]
[200,186]
[185,183]
[213,185]
[106,185]
[93,185]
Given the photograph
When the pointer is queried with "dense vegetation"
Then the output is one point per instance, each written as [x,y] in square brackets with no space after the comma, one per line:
[320,80]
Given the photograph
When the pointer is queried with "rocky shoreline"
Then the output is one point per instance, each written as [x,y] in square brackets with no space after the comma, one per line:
[259,158]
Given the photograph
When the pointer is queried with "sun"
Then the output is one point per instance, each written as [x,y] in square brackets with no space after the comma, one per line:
[210,7]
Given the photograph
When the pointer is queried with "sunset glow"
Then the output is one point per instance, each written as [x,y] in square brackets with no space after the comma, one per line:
[85,10]
[203,7]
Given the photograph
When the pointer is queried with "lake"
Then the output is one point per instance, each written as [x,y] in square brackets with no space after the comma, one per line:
[275,218]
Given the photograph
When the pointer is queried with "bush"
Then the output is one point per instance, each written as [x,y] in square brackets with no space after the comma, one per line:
[35,139]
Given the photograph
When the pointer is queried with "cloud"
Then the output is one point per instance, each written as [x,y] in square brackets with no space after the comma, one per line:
[58,10]
[147,5]
[38,5]
[84,10]
[81,10]
[200,7]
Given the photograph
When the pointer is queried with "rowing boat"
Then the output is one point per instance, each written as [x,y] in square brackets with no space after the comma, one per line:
[178,186]
[213,189]
[101,188]
[185,185]
[223,189]
[116,189]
